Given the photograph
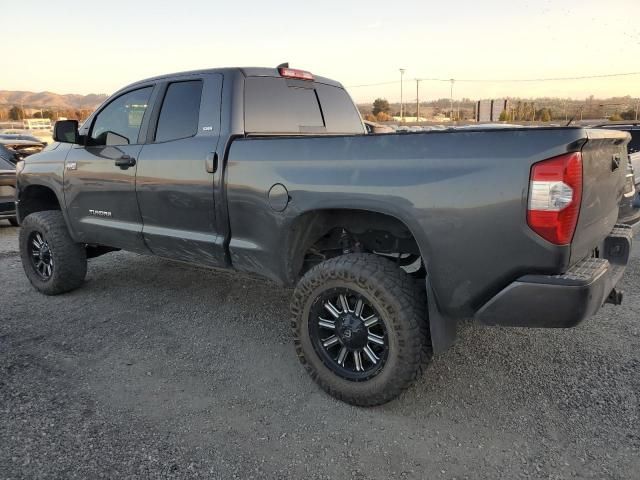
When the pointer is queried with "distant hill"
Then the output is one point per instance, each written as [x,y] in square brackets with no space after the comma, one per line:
[51,100]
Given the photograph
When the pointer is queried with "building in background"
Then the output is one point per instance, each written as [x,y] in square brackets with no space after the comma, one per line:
[483,110]
[490,110]
[406,119]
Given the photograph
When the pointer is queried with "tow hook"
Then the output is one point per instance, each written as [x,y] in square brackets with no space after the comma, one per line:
[615,297]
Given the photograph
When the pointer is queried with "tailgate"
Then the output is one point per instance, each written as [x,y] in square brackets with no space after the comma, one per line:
[604,165]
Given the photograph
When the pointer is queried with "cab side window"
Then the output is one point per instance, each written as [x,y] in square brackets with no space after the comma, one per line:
[119,122]
[180,111]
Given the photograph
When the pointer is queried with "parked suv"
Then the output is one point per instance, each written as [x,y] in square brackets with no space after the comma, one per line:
[7,189]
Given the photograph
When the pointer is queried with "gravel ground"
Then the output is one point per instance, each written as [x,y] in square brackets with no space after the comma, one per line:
[158,370]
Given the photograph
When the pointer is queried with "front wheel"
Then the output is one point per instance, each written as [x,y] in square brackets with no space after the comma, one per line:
[52,261]
[360,328]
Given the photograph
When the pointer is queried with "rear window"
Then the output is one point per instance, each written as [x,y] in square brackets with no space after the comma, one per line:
[338,109]
[281,106]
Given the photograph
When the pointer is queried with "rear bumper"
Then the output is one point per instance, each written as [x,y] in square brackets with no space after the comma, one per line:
[562,301]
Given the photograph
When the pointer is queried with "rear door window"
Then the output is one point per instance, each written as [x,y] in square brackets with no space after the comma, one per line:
[180,111]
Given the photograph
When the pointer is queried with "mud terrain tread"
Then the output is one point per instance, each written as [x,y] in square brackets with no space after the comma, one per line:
[406,307]
[70,259]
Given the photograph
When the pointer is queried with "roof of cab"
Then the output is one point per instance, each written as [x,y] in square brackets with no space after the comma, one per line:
[246,71]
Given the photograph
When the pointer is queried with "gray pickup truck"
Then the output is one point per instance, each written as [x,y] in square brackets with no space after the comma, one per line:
[389,240]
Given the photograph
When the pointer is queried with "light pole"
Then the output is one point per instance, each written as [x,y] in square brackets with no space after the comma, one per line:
[401,97]
[451,100]
[417,99]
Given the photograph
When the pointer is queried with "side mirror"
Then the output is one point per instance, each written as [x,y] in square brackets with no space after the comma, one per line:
[66,131]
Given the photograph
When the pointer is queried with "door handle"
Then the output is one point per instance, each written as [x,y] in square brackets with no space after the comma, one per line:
[211,162]
[125,161]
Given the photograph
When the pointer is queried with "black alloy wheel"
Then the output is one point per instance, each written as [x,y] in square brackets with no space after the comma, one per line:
[52,261]
[360,328]
[349,334]
[40,255]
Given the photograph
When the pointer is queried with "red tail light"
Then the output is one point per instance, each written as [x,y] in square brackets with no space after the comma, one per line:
[293,73]
[555,193]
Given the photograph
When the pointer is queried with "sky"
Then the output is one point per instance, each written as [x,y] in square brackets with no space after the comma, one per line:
[91,47]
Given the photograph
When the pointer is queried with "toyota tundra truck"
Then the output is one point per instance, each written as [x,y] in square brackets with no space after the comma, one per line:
[388,240]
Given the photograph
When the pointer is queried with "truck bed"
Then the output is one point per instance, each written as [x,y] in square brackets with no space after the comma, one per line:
[462,194]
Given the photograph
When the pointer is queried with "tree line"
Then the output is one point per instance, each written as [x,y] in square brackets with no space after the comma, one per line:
[17,113]
[539,109]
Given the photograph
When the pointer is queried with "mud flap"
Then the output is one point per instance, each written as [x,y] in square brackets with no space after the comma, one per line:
[443,329]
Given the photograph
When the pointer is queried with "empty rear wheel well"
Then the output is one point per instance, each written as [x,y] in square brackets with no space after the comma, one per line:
[320,235]
[36,198]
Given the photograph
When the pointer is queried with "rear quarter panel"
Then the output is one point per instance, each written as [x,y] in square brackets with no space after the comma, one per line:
[462,194]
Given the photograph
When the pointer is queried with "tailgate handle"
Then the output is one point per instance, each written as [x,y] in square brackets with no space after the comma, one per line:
[615,162]
[212,162]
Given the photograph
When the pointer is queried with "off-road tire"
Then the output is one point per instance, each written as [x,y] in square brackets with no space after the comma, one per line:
[70,260]
[397,298]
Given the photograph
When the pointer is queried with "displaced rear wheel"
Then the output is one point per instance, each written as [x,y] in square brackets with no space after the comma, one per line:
[360,328]
[52,261]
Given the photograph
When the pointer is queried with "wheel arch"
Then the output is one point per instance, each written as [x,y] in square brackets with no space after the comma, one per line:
[310,226]
[37,198]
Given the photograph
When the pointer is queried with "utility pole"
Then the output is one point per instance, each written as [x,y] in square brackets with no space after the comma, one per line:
[418,100]
[451,100]
[401,97]
[533,108]
[637,105]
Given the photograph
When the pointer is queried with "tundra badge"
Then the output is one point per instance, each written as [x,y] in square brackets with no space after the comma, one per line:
[99,213]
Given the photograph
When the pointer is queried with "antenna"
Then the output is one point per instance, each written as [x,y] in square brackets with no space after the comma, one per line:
[283,65]
[579,110]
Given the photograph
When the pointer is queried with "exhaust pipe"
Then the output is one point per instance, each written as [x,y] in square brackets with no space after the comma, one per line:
[615,297]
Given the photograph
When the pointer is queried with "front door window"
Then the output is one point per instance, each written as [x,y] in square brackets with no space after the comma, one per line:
[119,122]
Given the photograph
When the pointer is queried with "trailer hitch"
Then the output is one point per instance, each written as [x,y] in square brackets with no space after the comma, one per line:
[615,297]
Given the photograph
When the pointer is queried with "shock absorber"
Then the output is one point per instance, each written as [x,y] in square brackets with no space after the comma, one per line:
[345,242]
[349,243]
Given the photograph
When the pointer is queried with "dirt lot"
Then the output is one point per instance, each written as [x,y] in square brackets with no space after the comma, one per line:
[157,370]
